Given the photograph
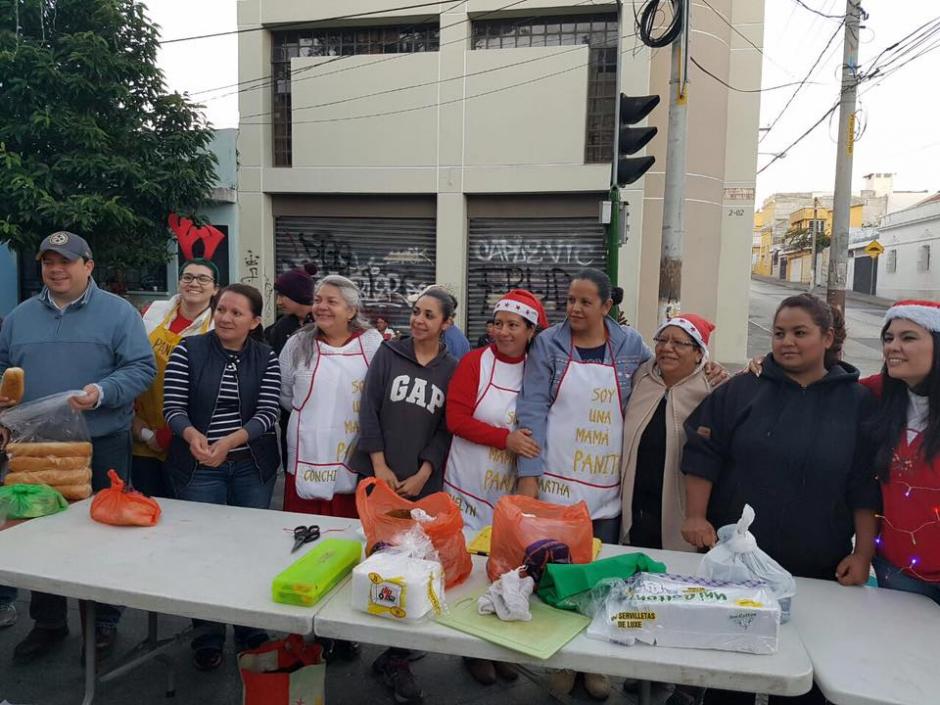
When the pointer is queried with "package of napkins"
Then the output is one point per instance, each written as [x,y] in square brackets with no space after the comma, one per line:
[675,610]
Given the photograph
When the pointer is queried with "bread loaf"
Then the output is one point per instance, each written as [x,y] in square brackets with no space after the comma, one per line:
[13,385]
[53,449]
[26,463]
[50,477]
[74,493]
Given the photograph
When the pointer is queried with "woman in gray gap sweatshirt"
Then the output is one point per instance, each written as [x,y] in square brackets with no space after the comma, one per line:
[403,436]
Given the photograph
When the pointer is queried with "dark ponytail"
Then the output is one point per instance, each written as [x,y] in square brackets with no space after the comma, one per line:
[602,282]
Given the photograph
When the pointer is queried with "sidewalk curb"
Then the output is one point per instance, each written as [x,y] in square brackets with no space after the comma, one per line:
[854,296]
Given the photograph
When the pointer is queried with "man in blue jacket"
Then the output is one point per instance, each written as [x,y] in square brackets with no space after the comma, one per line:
[73,335]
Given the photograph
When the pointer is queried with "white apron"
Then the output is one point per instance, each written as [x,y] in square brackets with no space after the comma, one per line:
[325,425]
[584,439]
[476,476]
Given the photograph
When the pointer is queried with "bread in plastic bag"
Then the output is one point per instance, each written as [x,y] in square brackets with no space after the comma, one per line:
[532,533]
[46,419]
[121,506]
[386,517]
[31,501]
[737,558]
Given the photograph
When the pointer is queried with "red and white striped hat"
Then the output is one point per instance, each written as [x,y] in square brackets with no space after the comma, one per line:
[699,328]
[924,313]
[523,303]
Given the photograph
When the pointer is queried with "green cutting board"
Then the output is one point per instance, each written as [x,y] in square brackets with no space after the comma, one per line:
[549,630]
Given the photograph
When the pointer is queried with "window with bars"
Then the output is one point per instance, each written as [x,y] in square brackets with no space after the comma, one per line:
[599,32]
[338,42]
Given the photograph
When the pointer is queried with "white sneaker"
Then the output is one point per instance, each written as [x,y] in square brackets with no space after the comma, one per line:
[7,615]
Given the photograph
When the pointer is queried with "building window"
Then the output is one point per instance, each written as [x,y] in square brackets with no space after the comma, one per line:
[892,264]
[599,32]
[287,45]
[923,258]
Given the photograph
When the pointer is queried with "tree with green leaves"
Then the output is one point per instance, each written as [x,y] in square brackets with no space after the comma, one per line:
[90,139]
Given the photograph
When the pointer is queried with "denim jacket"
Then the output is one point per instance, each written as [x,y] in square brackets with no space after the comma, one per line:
[545,366]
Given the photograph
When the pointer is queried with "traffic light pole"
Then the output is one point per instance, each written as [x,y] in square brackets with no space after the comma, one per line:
[842,193]
[613,228]
[670,262]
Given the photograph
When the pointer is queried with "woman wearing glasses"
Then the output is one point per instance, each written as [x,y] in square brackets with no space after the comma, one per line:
[187,313]
[666,390]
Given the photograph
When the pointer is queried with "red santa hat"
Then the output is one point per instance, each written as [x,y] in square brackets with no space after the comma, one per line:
[926,314]
[523,303]
[700,329]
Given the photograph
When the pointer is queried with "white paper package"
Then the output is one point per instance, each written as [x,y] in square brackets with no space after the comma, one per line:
[396,586]
[682,611]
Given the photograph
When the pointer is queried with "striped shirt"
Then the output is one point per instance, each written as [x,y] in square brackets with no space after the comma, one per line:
[226,419]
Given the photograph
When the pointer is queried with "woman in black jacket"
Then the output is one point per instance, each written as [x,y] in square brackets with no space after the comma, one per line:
[789,444]
[220,399]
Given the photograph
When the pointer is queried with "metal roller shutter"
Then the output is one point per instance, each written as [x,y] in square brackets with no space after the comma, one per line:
[388,258]
[539,254]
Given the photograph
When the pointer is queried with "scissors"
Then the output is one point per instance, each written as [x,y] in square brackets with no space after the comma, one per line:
[305,534]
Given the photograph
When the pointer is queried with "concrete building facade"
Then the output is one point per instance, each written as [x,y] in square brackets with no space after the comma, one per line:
[910,265]
[470,145]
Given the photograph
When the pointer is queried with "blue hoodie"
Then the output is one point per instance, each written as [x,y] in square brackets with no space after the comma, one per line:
[99,339]
[545,366]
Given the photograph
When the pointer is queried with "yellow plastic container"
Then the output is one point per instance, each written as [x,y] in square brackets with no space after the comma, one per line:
[311,577]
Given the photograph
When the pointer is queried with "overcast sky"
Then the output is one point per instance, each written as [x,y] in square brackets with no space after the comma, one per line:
[902,131]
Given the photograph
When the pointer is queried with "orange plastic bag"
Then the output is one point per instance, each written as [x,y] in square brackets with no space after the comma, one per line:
[120,506]
[385,515]
[527,530]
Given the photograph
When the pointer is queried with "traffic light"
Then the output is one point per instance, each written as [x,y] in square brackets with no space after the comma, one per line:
[633,139]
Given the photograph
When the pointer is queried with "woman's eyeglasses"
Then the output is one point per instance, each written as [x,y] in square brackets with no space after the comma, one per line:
[201,278]
[677,344]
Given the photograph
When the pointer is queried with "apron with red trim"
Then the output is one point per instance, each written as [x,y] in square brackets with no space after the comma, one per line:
[323,428]
[584,439]
[476,476]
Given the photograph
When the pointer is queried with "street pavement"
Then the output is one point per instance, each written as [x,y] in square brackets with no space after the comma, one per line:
[862,321]
[57,679]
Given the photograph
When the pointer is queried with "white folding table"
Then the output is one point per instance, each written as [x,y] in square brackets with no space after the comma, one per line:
[869,646]
[201,560]
[788,672]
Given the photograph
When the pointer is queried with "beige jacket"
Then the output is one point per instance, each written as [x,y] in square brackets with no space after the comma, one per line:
[681,400]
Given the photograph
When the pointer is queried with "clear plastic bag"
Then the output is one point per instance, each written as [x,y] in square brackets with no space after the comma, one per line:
[402,580]
[737,558]
[47,420]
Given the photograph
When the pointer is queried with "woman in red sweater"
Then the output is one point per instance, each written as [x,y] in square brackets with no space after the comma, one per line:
[481,414]
[907,429]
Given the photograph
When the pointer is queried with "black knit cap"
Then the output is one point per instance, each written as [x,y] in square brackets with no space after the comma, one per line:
[297,284]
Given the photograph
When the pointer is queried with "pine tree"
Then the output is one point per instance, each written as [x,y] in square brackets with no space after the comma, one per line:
[91,141]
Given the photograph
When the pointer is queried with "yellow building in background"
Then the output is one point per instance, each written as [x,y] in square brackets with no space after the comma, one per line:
[763,244]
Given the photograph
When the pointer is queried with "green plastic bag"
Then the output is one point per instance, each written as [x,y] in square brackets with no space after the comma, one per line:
[566,585]
[31,501]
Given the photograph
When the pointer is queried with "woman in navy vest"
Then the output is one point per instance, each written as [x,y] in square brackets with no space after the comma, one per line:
[220,399]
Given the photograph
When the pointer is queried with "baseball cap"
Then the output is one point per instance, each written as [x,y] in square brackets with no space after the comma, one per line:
[69,245]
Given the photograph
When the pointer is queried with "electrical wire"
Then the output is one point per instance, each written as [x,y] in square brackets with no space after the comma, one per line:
[296,76]
[741,90]
[818,12]
[351,16]
[743,36]
[802,83]
[646,23]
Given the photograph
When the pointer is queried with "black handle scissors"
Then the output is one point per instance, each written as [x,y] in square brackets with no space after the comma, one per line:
[305,534]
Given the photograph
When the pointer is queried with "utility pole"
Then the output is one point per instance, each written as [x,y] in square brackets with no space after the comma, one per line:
[670,262]
[613,230]
[842,193]
[814,234]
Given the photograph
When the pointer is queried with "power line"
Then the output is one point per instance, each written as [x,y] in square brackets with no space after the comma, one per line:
[806,78]
[743,36]
[818,12]
[799,139]
[325,19]
[740,90]
[392,57]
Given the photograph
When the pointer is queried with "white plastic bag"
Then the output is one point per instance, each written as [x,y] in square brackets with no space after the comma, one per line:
[737,558]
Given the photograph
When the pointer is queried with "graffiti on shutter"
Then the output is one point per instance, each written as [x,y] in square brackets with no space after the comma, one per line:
[539,254]
[389,259]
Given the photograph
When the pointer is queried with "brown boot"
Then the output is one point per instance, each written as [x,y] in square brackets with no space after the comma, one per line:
[482,670]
